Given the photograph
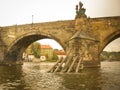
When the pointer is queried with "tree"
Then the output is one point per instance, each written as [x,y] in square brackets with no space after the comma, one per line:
[55,57]
[110,55]
[35,49]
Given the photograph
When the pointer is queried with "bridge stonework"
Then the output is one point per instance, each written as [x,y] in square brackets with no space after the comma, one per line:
[86,36]
[17,38]
[83,39]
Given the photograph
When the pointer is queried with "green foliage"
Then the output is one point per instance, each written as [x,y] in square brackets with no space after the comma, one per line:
[50,60]
[56,50]
[110,56]
[55,57]
[35,49]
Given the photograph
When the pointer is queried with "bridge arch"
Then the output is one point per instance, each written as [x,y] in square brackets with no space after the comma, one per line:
[109,39]
[18,46]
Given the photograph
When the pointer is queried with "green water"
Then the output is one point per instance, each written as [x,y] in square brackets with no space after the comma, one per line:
[31,77]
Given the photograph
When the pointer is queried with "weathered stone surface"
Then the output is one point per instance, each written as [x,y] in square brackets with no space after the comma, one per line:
[16,38]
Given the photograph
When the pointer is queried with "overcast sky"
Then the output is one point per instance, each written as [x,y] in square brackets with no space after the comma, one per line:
[113,46]
[20,11]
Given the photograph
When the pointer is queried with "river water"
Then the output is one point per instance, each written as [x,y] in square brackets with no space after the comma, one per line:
[32,76]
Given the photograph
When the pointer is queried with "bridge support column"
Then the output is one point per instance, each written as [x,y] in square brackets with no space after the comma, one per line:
[12,58]
[87,47]
[2,50]
[9,58]
[81,52]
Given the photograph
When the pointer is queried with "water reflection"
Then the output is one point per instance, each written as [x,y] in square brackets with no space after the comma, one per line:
[11,78]
[31,77]
[87,80]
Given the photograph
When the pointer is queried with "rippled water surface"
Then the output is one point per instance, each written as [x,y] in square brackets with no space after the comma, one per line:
[31,76]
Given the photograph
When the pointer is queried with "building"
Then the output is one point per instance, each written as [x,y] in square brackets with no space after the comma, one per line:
[60,53]
[47,51]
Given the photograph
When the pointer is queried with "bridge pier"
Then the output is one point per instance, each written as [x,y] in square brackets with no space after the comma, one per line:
[8,60]
[82,52]
[2,50]
[82,49]
[12,58]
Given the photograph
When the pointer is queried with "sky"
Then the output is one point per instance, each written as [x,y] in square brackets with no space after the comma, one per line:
[14,12]
[20,11]
[113,46]
[54,44]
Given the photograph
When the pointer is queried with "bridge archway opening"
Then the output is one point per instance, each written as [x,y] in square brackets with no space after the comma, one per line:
[111,51]
[43,50]
[16,50]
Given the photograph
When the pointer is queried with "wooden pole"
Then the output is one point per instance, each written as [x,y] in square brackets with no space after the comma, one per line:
[67,60]
[59,65]
[52,69]
[78,65]
[65,68]
[72,64]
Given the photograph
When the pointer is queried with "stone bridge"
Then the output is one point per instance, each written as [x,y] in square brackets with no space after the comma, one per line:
[84,35]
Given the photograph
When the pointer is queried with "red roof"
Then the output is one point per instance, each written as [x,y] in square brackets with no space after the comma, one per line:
[61,52]
[46,47]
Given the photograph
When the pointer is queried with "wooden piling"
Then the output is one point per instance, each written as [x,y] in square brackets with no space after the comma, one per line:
[72,64]
[59,65]
[78,65]
[67,64]
[52,69]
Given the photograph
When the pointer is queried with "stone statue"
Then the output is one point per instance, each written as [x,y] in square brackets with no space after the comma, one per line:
[80,5]
[76,7]
[80,11]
